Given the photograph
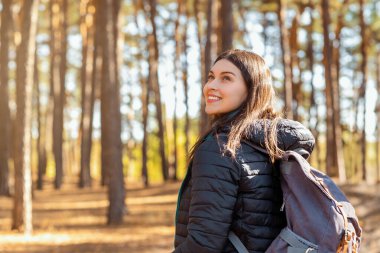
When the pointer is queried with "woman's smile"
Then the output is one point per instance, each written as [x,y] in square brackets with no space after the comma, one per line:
[213,99]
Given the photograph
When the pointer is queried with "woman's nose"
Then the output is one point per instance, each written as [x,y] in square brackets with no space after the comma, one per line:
[212,84]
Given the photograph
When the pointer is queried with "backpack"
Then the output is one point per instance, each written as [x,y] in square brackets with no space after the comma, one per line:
[319,216]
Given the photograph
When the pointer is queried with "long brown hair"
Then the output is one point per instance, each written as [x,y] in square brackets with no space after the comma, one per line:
[258,105]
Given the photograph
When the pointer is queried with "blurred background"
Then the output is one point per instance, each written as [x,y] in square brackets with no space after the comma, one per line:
[100,100]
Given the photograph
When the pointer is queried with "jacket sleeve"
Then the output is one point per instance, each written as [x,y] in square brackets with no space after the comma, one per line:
[215,180]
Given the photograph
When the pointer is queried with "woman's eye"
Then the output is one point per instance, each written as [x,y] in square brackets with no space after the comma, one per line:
[226,78]
[210,77]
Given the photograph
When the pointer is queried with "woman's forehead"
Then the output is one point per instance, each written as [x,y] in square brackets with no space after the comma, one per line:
[224,66]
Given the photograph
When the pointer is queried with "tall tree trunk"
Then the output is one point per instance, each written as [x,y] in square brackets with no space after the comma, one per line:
[144,101]
[22,212]
[211,45]
[88,92]
[226,24]
[6,19]
[41,148]
[336,46]
[58,29]
[110,112]
[286,60]
[153,78]
[313,108]
[177,38]
[203,121]
[97,77]
[185,87]
[377,110]
[363,88]
[333,129]
[294,64]
[62,81]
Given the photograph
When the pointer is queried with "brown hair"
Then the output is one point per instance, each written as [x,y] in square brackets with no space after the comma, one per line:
[258,105]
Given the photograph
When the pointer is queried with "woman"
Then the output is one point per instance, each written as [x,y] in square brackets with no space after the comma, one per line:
[231,186]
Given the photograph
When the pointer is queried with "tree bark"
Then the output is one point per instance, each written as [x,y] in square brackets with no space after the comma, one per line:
[58,63]
[226,23]
[177,68]
[110,113]
[153,79]
[22,210]
[88,92]
[313,108]
[333,129]
[294,64]
[286,60]
[6,19]
[363,88]
[377,110]
[203,121]
[145,90]
[41,148]
[185,88]
[210,52]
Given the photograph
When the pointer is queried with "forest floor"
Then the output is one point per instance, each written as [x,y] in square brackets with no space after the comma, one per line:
[73,220]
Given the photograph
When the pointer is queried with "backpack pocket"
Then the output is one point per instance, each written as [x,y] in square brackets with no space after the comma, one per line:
[289,242]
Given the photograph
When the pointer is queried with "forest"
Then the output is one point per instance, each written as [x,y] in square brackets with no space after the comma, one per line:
[101,101]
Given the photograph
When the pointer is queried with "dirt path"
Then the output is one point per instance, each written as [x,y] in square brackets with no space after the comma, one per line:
[72,221]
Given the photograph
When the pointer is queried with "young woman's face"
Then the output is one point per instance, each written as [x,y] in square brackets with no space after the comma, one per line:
[225,89]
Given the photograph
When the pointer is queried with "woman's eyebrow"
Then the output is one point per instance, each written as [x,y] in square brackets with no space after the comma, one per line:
[228,72]
[223,72]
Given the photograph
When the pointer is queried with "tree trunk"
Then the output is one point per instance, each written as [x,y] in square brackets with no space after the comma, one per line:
[226,22]
[153,73]
[203,121]
[333,129]
[294,64]
[377,110]
[41,148]
[22,212]
[110,113]
[6,19]
[286,60]
[88,92]
[336,75]
[97,78]
[313,107]
[185,87]
[145,90]
[363,87]
[58,52]
[145,103]
[177,67]
[211,45]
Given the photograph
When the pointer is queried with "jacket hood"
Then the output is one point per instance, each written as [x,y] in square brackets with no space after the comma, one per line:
[291,135]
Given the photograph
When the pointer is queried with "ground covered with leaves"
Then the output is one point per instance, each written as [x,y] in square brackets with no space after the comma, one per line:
[73,220]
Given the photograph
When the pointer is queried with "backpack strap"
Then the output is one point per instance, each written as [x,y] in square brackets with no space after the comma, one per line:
[297,244]
[237,243]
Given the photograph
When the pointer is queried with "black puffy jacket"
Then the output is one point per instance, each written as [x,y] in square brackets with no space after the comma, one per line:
[220,194]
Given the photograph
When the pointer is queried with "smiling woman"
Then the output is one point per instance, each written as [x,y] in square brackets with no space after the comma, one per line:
[225,89]
[230,186]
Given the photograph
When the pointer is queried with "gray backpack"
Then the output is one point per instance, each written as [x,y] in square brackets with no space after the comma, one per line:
[319,216]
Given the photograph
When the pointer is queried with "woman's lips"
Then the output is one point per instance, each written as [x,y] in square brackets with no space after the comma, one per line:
[213,99]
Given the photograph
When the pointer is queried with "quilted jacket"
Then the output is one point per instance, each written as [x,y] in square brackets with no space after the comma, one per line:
[220,193]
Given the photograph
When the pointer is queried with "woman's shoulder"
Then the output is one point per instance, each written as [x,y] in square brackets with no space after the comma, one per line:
[291,134]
